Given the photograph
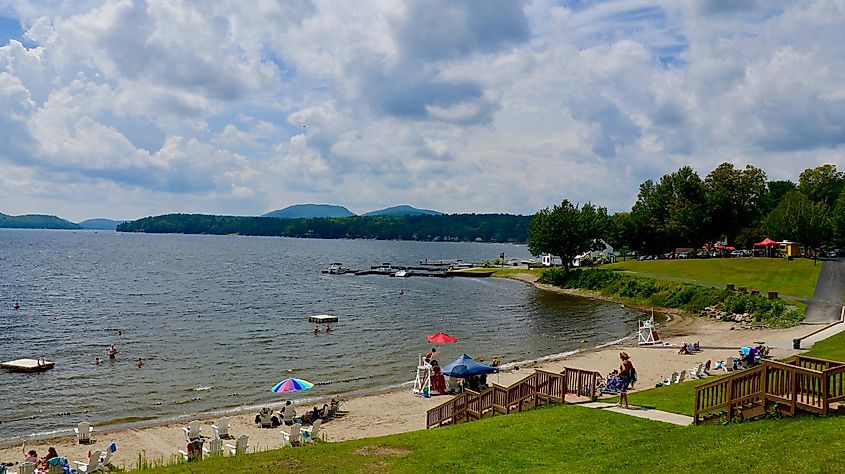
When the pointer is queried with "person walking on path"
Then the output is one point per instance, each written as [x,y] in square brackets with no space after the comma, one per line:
[626,370]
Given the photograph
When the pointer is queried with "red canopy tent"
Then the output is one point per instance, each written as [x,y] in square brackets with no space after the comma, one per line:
[767,242]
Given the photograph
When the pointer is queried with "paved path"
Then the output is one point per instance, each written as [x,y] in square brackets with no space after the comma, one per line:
[642,412]
[826,304]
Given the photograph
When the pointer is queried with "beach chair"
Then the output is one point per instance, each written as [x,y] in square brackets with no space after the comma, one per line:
[707,368]
[215,447]
[312,434]
[240,446]
[91,465]
[83,432]
[105,458]
[292,438]
[730,364]
[681,376]
[289,413]
[192,431]
[221,429]
[697,372]
[26,467]
[672,379]
[55,469]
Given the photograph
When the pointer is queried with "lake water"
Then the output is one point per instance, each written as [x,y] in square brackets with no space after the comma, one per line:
[219,320]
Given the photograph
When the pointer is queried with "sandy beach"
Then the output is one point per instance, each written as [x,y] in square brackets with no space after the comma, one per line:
[400,411]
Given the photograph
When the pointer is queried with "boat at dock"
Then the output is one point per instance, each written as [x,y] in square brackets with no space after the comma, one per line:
[336,269]
[402,274]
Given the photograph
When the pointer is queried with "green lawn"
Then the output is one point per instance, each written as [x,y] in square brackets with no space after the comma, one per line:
[563,438]
[797,277]
[506,272]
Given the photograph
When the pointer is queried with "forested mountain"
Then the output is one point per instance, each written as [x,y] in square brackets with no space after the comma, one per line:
[403,210]
[456,227]
[35,221]
[298,211]
[100,224]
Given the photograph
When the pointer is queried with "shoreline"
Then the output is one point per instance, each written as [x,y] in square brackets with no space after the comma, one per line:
[391,410]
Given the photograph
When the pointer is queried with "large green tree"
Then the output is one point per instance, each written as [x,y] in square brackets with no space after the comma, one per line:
[799,219]
[672,213]
[733,199]
[566,230]
[822,183]
[775,192]
[837,220]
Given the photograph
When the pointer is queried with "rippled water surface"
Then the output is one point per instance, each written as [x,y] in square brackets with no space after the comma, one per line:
[220,319]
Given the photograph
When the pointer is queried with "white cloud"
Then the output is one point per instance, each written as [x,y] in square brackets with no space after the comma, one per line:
[241,107]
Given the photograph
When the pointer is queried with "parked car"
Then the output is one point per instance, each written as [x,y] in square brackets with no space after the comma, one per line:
[737,253]
[683,255]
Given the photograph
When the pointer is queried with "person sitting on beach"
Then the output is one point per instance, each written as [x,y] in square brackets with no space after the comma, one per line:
[288,407]
[685,349]
[51,453]
[112,352]
[496,362]
[264,417]
[29,456]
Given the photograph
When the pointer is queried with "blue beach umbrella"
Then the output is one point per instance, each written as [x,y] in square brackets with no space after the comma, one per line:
[465,366]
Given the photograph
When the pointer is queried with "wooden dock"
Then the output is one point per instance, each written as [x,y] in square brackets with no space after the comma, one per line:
[322,318]
[27,365]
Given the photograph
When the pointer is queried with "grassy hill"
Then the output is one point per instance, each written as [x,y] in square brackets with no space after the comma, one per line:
[796,278]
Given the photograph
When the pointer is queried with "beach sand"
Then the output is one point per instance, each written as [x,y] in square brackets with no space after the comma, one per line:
[400,411]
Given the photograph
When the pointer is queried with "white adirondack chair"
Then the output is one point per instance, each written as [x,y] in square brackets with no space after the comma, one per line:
[289,413]
[192,431]
[294,437]
[83,432]
[681,376]
[215,447]
[105,458]
[240,446]
[313,433]
[26,467]
[221,429]
[91,465]
[672,379]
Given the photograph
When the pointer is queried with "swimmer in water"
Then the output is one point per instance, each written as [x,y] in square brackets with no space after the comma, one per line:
[316,329]
[97,361]
[328,328]
[112,352]
[17,305]
[140,362]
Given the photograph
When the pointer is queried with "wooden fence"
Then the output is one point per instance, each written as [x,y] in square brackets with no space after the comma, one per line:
[540,387]
[807,384]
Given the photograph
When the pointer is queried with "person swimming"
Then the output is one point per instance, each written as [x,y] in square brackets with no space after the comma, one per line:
[17,305]
[112,352]
[316,329]
[328,328]
[140,362]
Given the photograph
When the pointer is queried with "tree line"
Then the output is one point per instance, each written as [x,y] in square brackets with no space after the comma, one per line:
[455,227]
[739,206]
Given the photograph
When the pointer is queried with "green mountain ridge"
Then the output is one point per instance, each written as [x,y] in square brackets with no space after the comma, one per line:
[101,223]
[402,210]
[299,211]
[35,221]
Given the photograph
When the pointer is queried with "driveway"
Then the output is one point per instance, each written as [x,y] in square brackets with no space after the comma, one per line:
[826,304]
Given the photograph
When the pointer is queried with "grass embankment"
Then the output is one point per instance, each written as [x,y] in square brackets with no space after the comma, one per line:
[507,272]
[648,291]
[796,278]
[558,438]
[681,398]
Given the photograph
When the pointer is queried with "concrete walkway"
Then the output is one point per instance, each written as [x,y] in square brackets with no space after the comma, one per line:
[642,412]
[826,305]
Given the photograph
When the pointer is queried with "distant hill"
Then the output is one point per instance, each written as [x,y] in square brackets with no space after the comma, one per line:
[100,224]
[299,211]
[35,221]
[403,210]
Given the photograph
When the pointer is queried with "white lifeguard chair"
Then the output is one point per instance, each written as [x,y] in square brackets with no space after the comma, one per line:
[647,333]
[422,383]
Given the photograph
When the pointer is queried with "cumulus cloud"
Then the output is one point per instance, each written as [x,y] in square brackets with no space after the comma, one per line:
[240,107]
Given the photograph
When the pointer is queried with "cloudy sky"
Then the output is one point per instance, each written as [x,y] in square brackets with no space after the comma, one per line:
[127,108]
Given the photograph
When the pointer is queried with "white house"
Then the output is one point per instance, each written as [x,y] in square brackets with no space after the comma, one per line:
[606,253]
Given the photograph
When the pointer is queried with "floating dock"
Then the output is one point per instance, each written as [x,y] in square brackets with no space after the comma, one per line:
[322,318]
[27,365]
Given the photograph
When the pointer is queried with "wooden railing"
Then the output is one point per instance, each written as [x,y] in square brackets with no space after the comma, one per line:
[540,387]
[806,383]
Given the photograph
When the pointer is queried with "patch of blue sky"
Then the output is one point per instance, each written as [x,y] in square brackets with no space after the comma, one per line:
[11,29]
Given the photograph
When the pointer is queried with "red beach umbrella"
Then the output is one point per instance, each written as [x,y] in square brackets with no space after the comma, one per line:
[440,338]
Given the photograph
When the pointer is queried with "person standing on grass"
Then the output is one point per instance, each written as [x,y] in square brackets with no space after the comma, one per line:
[625,370]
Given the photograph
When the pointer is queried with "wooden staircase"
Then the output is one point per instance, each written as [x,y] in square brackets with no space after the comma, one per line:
[806,385]
[536,389]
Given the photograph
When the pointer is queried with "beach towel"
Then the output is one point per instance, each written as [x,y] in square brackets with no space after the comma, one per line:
[113,447]
[58,461]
